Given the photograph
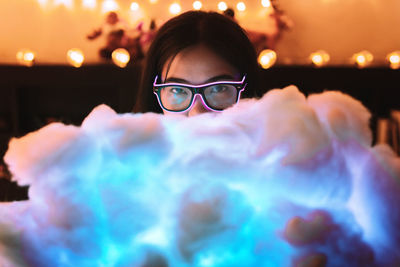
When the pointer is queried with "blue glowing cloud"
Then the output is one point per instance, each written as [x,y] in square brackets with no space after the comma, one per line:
[280,181]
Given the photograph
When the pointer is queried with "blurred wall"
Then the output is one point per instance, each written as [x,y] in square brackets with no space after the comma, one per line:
[341,27]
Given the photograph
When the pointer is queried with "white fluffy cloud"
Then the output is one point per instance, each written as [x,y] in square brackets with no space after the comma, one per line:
[278,181]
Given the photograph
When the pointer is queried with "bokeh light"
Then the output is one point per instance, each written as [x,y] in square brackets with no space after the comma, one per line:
[120,57]
[89,4]
[363,59]
[267,58]
[222,6]
[175,8]
[241,6]
[66,3]
[319,58]
[197,5]
[394,59]
[266,3]
[134,6]
[42,3]
[109,5]
[26,57]
[75,57]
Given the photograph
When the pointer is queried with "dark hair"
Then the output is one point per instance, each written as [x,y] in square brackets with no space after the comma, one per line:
[216,31]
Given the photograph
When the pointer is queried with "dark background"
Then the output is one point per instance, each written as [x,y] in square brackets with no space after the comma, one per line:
[33,97]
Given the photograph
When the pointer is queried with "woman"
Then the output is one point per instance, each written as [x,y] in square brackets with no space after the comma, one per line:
[198,62]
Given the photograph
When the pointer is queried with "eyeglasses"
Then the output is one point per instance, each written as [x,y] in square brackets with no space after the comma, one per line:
[216,96]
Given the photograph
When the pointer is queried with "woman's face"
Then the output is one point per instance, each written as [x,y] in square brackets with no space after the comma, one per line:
[197,65]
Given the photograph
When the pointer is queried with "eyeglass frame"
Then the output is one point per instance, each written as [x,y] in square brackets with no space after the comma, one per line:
[198,90]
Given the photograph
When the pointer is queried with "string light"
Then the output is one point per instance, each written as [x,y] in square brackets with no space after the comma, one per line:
[66,3]
[75,57]
[266,3]
[109,5]
[120,57]
[197,5]
[319,58]
[89,3]
[394,59]
[241,6]
[363,58]
[175,8]
[134,6]
[267,58]
[222,6]
[26,57]
[42,2]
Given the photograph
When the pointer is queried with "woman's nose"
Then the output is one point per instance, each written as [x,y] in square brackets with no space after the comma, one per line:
[198,106]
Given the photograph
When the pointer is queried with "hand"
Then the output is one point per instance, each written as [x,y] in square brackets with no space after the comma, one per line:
[303,232]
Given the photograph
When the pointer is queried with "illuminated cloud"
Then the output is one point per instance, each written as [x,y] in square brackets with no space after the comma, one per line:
[281,181]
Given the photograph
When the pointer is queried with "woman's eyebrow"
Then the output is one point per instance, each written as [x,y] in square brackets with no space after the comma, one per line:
[223,77]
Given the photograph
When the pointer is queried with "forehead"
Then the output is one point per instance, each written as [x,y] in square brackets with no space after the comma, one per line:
[197,64]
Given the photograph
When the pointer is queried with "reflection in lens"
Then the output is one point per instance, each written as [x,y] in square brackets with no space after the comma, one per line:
[220,96]
[175,97]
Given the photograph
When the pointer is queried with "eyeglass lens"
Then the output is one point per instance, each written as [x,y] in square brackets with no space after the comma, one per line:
[220,96]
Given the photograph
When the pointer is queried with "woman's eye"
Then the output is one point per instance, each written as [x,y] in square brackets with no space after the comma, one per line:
[218,89]
[177,91]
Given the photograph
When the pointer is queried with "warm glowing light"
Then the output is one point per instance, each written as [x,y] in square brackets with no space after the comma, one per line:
[75,57]
[153,1]
[363,58]
[175,8]
[109,5]
[266,3]
[89,3]
[42,2]
[394,59]
[197,5]
[66,3]
[222,6]
[134,6]
[241,6]
[319,58]
[120,57]
[26,57]
[267,58]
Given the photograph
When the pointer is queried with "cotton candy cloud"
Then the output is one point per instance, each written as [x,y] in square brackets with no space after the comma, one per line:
[284,180]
